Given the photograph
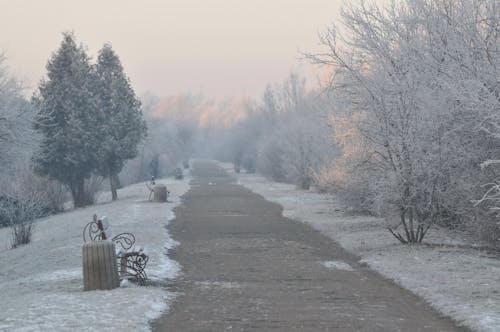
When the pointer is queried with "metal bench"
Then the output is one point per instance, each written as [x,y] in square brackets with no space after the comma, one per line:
[131,261]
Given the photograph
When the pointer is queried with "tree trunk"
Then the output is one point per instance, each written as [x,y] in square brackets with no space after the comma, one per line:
[72,188]
[77,189]
[82,199]
[411,225]
[113,181]
[304,182]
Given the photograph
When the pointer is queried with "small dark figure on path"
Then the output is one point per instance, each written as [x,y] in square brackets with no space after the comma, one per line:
[151,187]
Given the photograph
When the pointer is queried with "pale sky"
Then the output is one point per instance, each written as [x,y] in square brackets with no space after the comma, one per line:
[217,47]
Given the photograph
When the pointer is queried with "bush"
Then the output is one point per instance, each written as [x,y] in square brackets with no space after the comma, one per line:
[6,204]
[52,194]
[28,193]
[92,186]
[19,211]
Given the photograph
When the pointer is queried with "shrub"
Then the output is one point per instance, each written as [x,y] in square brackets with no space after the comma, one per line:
[19,211]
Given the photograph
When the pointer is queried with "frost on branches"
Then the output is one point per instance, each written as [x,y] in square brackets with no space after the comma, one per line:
[423,76]
[121,127]
[285,136]
[89,119]
[67,116]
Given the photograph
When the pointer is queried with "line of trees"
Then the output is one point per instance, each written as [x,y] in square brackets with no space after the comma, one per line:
[285,135]
[23,196]
[89,119]
[172,137]
[421,78]
[83,124]
[413,104]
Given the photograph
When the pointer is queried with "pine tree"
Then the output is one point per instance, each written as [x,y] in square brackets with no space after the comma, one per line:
[122,127]
[67,120]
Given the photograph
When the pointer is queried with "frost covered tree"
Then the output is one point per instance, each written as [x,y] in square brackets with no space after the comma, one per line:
[15,139]
[173,136]
[15,121]
[421,77]
[246,136]
[67,118]
[122,127]
[295,150]
[8,89]
[285,136]
[23,196]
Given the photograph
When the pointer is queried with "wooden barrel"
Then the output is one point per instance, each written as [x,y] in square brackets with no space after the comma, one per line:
[160,193]
[99,265]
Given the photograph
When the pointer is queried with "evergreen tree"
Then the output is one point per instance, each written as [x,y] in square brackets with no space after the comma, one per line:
[122,127]
[67,120]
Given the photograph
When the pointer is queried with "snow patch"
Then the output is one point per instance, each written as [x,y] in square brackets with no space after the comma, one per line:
[337,265]
[42,284]
[456,279]
[218,284]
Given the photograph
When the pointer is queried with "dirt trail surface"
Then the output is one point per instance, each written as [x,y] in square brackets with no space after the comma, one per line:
[247,268]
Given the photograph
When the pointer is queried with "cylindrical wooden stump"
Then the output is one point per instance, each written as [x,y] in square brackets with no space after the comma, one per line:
[99,265]
[160,193]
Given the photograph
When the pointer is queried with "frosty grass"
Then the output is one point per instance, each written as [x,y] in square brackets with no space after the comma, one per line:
[41,283]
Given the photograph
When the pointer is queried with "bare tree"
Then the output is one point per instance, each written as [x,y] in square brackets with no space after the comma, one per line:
[415,73]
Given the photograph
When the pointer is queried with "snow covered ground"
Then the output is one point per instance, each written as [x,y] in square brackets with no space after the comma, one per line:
[461,282]
[41,284]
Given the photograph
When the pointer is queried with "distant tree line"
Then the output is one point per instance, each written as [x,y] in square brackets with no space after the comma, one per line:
[170,142]
[284,135]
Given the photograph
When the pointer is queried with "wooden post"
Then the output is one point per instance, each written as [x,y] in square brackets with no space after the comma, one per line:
[99,265]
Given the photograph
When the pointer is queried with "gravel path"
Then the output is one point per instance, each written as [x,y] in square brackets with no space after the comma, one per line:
[247,268]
